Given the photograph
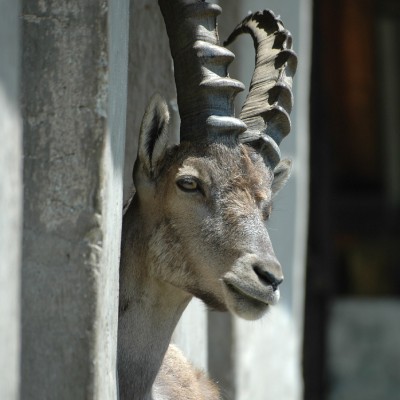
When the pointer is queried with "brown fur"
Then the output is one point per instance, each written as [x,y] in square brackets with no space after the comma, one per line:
[178,379]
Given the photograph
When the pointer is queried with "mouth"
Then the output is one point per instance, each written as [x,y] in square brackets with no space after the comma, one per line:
[249,301]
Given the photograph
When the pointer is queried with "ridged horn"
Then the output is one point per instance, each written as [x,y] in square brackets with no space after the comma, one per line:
[205,92]
[270,99]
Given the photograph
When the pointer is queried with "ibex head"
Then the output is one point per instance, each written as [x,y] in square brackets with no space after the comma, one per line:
[206,201]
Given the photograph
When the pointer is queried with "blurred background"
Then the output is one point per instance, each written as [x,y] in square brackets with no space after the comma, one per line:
[352,312]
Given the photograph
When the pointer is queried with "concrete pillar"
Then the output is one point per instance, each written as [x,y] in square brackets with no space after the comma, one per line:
[263,359]
[10,199]
[150,71]
[74,79]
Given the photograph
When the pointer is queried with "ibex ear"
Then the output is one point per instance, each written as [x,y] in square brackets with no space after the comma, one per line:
[153,137]
[281,175]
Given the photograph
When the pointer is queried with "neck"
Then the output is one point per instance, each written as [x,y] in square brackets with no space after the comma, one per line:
[149,312]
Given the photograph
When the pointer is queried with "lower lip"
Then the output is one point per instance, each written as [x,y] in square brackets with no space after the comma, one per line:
[257,303]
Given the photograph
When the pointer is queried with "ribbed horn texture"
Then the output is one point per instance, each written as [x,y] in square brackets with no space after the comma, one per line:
[270,99]
[205,92]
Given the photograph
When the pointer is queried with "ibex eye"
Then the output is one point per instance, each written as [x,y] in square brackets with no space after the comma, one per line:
[188,184]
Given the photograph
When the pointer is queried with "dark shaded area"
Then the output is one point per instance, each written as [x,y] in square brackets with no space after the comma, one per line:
[354,199]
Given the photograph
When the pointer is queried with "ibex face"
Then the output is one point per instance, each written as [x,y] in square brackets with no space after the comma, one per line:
[206,207]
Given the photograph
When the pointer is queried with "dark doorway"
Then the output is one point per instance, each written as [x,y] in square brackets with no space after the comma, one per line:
[353,271]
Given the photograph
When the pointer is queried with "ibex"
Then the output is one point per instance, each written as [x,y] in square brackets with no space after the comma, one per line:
[196,225]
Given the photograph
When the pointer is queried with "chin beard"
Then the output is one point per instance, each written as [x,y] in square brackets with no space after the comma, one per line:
[211,301]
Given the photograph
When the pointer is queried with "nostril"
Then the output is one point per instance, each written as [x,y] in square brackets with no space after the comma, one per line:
[267,277]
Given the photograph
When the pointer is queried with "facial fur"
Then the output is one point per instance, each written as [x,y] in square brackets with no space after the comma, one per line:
[211,205]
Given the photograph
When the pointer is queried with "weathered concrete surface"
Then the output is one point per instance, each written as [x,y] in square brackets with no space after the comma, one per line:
[112,187]
[74,119]
[222,352]
[10,200]
[256,360]
[268,357]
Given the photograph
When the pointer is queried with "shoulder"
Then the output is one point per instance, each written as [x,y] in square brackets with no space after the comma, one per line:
[179,379]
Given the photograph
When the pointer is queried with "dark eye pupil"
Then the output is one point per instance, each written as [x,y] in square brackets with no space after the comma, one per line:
[187,184]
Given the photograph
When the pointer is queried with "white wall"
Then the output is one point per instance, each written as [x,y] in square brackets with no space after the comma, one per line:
[10,200]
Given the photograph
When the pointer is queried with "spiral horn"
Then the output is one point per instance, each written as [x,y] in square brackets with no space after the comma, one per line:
[205,91]
[270,99]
